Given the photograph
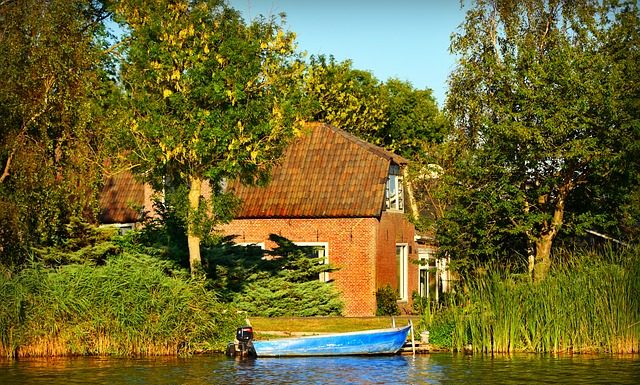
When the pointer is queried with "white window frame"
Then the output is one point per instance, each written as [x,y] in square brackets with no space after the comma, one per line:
[323,277]
[394,189]
[258,244]
[425,256]
[403,271]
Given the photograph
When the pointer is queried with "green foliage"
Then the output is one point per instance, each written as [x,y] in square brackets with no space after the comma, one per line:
[387,301]
[346,98]
[588,303]
[54,90]
[85,244]
[279,297]
[393,115]
[280,282]
[544,101]
[132,305]
[211,98]
[442,328]
[415,123]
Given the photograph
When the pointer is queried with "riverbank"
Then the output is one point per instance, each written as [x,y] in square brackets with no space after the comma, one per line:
[589,303]
[133,305]
[137,305]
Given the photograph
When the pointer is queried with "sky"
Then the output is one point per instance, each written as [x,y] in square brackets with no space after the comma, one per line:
[404,39]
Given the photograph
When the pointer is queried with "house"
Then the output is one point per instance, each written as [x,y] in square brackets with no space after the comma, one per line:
[345,196]
[331,190]
[123,201]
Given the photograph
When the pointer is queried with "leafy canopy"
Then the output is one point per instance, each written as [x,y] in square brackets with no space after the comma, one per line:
[55,89]
[211,97]
[543,109]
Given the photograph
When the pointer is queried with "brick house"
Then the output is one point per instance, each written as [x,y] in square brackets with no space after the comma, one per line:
[330,190]
[123,201]
[345,196]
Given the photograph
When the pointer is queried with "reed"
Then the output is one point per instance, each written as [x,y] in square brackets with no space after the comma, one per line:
[589,303]
[133,305]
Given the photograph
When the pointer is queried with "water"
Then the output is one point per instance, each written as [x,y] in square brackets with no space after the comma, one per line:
[442,368]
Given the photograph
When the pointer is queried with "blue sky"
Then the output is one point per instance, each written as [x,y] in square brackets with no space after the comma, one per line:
[406,39]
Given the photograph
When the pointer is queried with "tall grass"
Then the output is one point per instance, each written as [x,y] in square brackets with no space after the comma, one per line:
[590,302]
[133,305]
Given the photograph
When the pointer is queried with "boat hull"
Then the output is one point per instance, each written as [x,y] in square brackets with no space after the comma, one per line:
[370,342]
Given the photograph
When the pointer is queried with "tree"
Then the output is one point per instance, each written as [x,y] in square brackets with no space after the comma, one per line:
[54,89]
[541,105]
[285,283]
[211,97]
[415,122]
[346,98]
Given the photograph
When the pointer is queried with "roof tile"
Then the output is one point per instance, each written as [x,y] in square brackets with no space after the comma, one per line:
[325,173]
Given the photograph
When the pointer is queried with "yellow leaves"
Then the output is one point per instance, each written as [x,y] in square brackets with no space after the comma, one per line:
[206,48]
[232,97]
[175,75]
[178,7]
[169,153]
[166,93]
[277,112]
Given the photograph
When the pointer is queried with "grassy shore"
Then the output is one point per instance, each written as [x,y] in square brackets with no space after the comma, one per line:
[140,305]
[590,302]
[133,305]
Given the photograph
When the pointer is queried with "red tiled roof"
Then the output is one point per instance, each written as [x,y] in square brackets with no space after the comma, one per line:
[121,199]
[325,173]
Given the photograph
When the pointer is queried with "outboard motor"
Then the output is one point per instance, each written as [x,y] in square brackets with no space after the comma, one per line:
[242,347]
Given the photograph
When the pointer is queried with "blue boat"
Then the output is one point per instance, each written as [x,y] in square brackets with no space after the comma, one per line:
[368,342]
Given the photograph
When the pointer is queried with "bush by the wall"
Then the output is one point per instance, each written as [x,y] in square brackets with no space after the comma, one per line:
[281,282]
[387,301]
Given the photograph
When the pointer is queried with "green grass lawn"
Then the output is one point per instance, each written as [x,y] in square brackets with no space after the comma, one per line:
[270,327]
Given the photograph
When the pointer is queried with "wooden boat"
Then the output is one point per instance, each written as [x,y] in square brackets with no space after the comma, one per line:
[368,342]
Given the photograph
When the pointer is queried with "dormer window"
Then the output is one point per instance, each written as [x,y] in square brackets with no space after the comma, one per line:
[394,192]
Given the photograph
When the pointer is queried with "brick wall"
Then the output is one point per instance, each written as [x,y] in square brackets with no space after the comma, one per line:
[394,228]
[363,249]
[351,247]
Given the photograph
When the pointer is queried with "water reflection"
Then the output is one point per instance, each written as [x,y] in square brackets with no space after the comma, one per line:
[426,369]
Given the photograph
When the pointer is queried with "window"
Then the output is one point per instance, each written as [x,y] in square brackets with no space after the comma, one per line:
[425,256]
[394,192]
[254,244]
[402,258]
[321,250]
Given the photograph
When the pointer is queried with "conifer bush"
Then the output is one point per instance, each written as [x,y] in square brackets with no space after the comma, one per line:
[281,282]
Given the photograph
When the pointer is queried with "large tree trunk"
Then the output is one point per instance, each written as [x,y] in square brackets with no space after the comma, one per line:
[193,240]
[548,233]
[542,258]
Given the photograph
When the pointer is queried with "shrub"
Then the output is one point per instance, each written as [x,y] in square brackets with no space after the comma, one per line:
[387,301]
[282,283]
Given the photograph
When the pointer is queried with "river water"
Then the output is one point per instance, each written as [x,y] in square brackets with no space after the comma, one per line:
[440,368]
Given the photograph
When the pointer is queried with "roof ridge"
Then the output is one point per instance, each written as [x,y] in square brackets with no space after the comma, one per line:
[376,150]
